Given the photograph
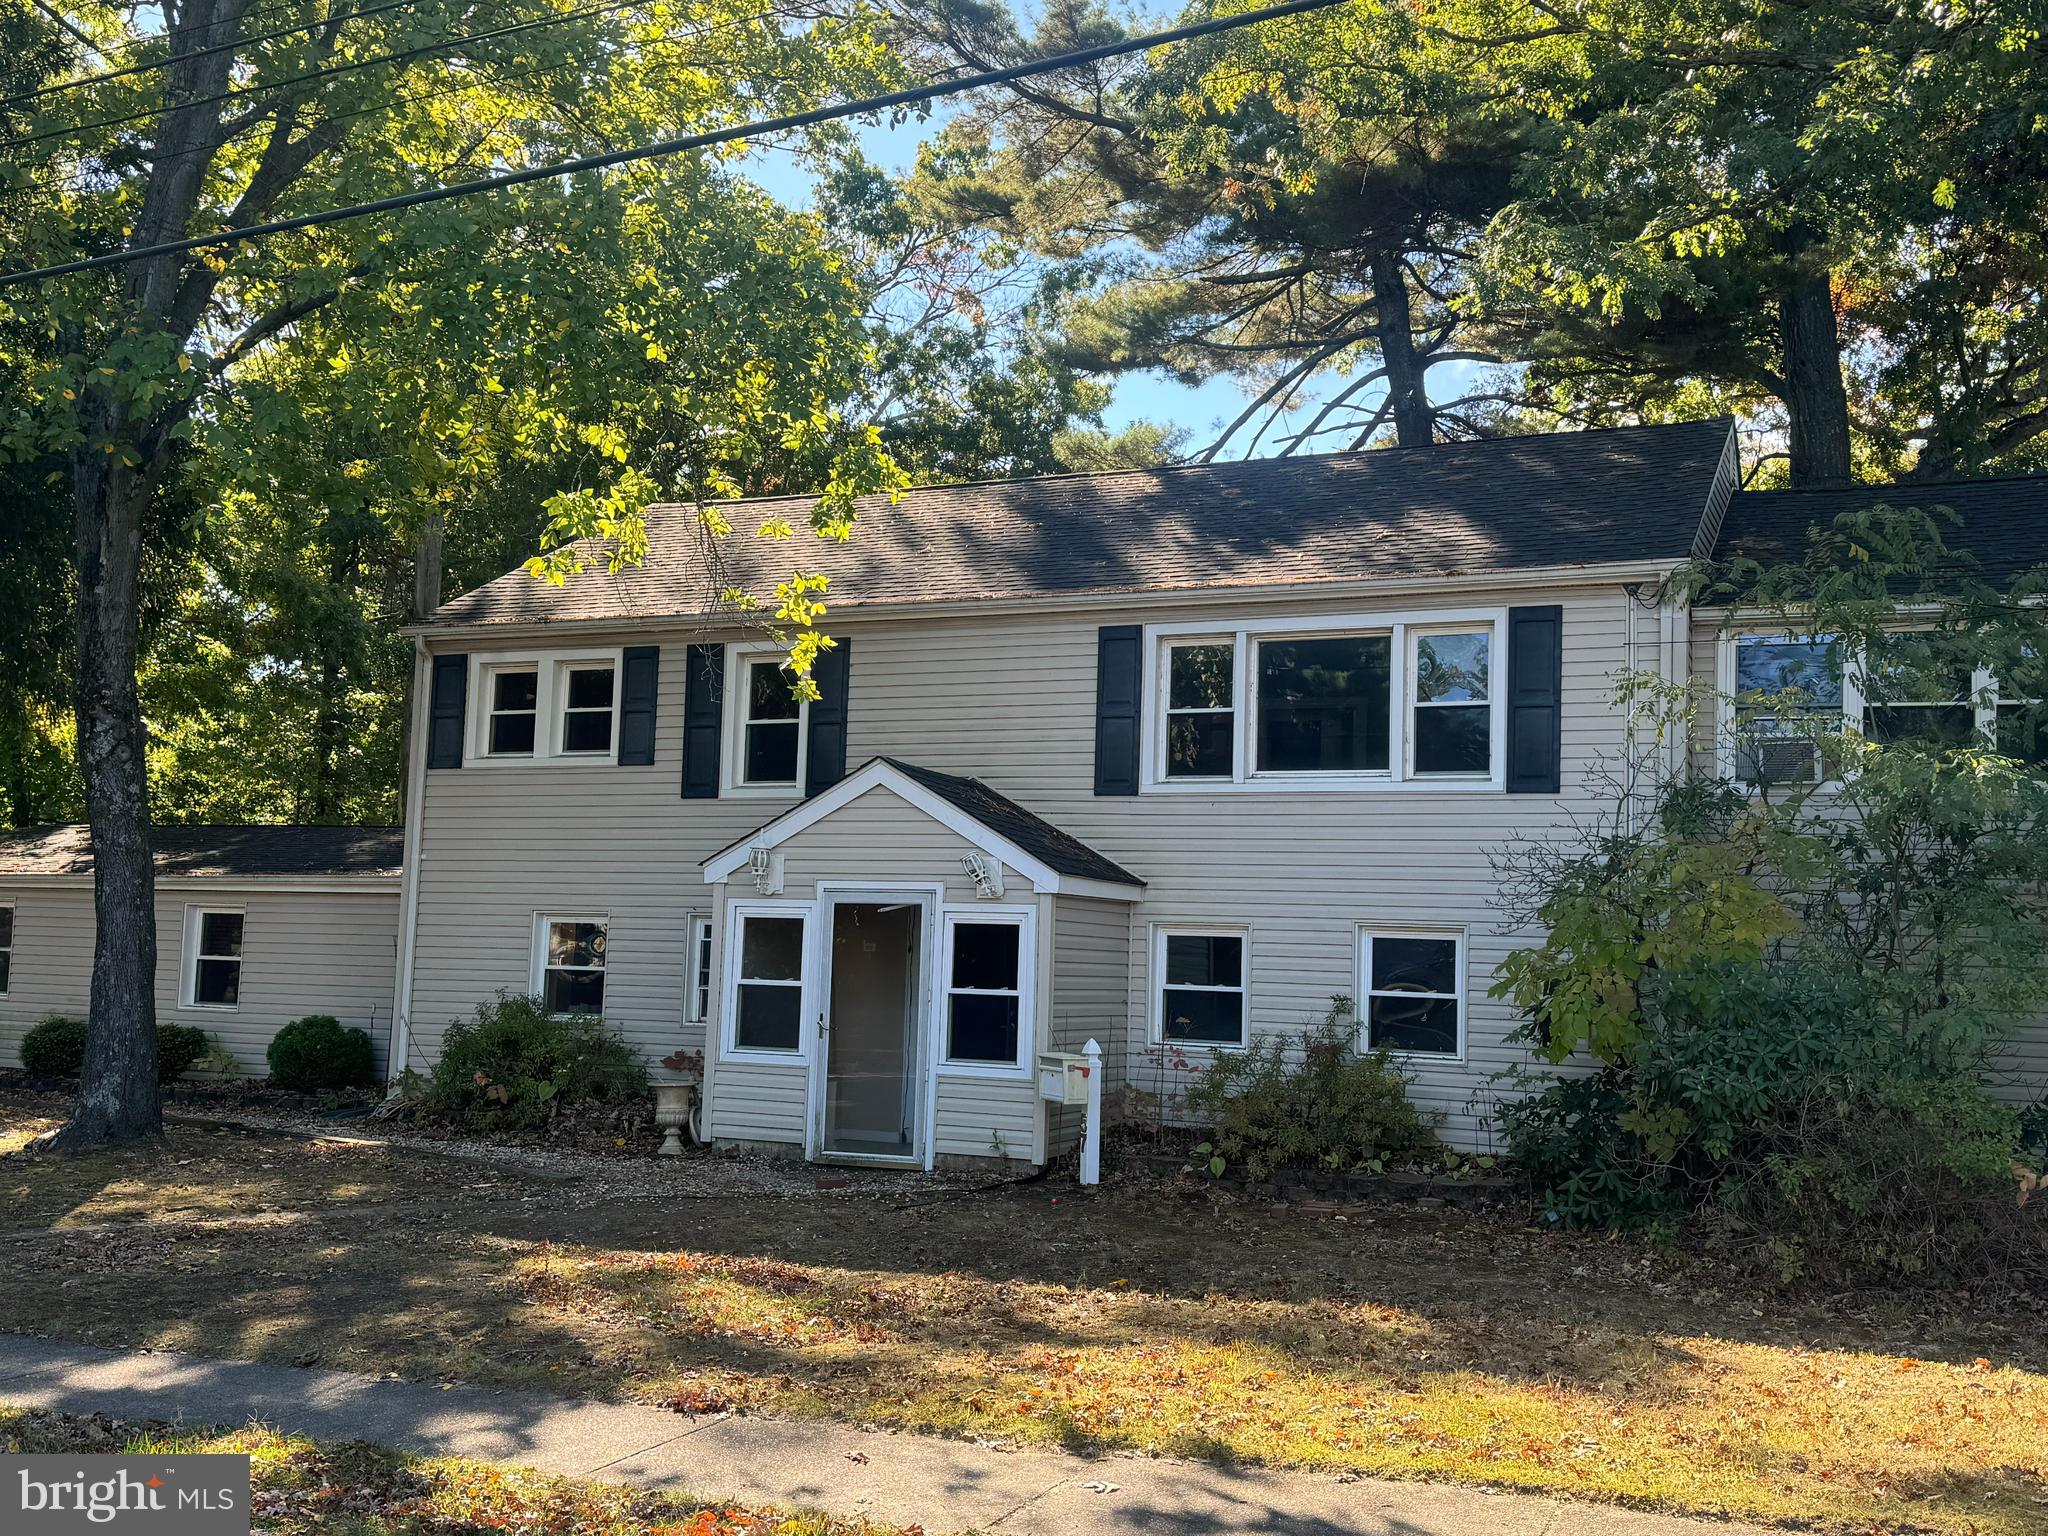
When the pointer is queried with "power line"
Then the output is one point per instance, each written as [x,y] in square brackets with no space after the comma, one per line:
[665,147]
[200,53]
[349,66]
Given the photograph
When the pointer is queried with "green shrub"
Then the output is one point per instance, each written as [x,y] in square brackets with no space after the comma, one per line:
[317,1054]
[1328,1106]
[513,1064]
[1771,1109]
[178,1047]
[2034,1135]
[55,1047]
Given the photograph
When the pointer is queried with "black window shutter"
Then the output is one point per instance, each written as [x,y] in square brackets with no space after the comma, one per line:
[444,711]
[703,691]
[639,684]
[825,757]
[1119,674]
[1535,701]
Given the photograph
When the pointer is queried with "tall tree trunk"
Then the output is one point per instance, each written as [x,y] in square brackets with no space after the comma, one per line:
[325,803]
[1414,421]
[117,1099]
[1816,403]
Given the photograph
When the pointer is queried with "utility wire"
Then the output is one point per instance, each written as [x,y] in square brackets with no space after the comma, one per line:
[200,53]
[665,147]
[349,66]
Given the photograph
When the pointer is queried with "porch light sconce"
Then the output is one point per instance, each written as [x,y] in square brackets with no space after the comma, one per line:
[986,873]
[766,865]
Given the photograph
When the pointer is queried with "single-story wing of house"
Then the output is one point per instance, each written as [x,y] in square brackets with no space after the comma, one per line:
[256,926]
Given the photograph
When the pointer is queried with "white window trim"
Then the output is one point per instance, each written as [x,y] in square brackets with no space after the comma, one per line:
[538,974]
[1367,932]
[1984,697]
[733,730]
[1397,776]
[1025,921]
[189,958]
[551,692]
[1156,1005]
[696,941]
[7,949]
[729,1049]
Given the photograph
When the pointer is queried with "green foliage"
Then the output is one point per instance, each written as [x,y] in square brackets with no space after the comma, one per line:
[317,1054]
[55,1047]
[513,1064]
[1319,1102]
[2033,1123]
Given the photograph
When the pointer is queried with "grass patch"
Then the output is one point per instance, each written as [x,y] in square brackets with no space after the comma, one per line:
[1436,1344]
[303,1487]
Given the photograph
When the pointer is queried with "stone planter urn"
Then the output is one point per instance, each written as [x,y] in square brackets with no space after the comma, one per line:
[675,1111]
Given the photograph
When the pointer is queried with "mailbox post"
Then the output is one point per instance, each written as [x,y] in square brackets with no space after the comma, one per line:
[1091,1136]
[1067,1078]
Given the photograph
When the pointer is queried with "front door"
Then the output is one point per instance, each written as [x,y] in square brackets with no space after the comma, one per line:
[873,1042]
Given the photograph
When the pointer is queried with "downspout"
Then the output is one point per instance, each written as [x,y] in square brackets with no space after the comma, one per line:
[409,878]
[1630,602]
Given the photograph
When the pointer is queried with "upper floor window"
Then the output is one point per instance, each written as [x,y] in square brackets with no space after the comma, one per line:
[545,708]
[571,963]
[1453,690]
[588,691]
[213,959]
[1396,700]
[6,946]
[765,725]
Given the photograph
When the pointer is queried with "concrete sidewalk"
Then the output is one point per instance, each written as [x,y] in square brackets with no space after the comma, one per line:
[943,1485]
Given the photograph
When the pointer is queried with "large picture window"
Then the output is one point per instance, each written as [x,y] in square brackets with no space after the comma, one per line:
[1452,727]
[213,969]
[1200,982]
[1413,987]
[1325,704]
[572,963]
[768,1002]
[984,991]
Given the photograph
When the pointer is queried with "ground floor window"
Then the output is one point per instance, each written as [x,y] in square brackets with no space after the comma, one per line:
[213,954]
[6,946]
[1413,991]
[697,994]
[768,1002]
[572,963]
[984,967]
[1200,985]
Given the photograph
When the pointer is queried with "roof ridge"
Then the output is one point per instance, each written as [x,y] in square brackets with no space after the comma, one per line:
[1897,485]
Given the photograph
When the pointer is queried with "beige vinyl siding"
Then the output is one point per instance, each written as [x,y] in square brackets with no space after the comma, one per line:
[303,952]
[1010,698]
[881,837]
[1091,993]
[972,1113]
[756,1104]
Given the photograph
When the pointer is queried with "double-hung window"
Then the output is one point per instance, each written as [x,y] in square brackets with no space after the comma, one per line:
[2020,720]
[771,726]
[1199,980]
[1451,730]
[1929,709]
[768,987]
[6,945]
[213,966]
[511,729]
[697,983]
[570,964]
[1788,692]
[985,960]
[1413,986]
[588,690]
[1201,712]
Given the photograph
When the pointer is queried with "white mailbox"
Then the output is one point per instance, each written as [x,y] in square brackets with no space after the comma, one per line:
[1063,1077]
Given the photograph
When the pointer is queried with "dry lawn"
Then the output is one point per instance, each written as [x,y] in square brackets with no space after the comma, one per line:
[1424,1344]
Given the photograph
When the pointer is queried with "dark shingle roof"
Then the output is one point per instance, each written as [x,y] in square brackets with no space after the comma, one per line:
[1574,498]
[1062,852]
[2003,523]
[257,851]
